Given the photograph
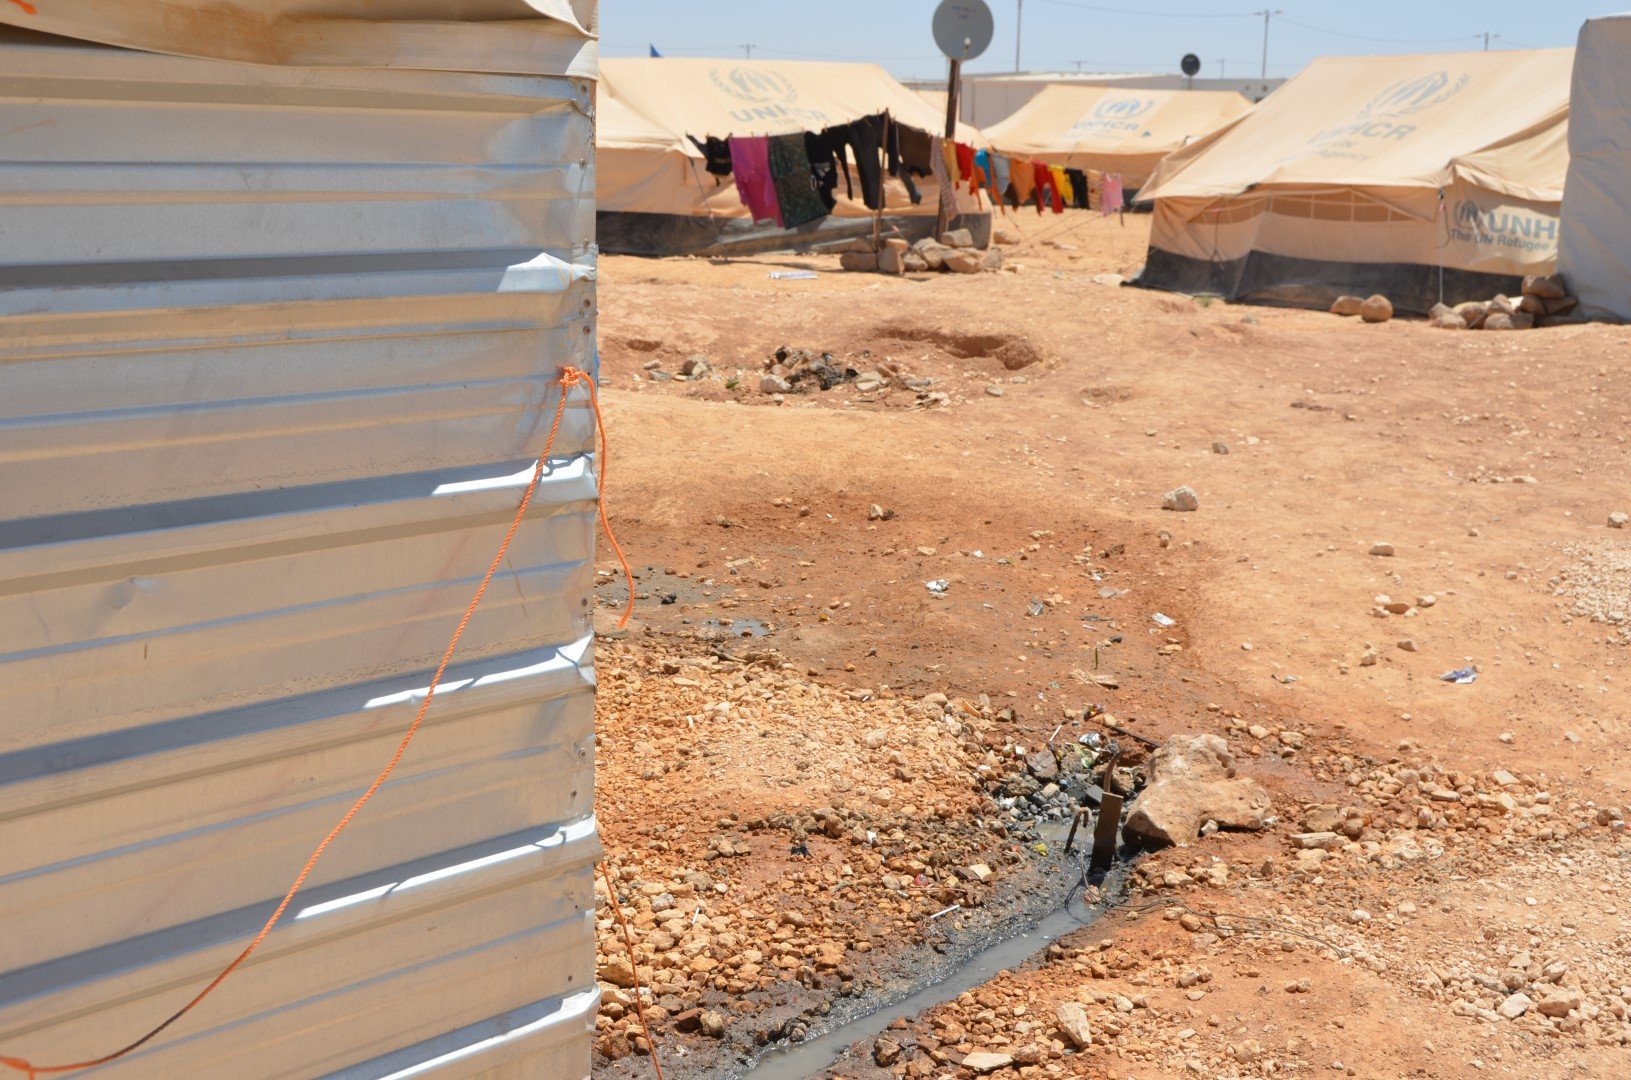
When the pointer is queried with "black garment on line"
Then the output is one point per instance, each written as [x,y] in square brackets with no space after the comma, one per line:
[1078,185]
[866,138]
[716,153]
[826,153]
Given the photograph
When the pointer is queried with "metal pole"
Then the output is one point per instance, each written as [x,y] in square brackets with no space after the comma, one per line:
[749,50]
[1266,16]
[941,222]
[1019,25]
[1486,41]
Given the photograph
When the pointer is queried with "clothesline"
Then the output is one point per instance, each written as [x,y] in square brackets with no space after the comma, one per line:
[792,179]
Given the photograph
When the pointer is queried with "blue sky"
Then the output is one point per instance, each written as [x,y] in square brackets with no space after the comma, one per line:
[1117,35]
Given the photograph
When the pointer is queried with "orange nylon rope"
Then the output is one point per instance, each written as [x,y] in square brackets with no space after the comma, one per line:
[634,966]
[32,10]
[570,377]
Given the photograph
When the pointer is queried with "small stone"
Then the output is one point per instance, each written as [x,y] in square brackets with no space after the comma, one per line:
[878,513]
[1473,313]
[957,238]
[617,972]
[1619,519]
[1006,234]
[892,260]
[1347,305]
[1515,1006]
[1310,841]
[1408,644]
[1426,600]
[915,263]
[1072,1021]
[1220,448]
[694,366]
[1181,499]
[885,1051]
[1382,548]
[1359,916]
[1444,317]
[1504,778]
[977,872]
[651,365]
[861,262]
[994,391]
[985,1061]
[1376,309]
[962,262]
[1369,657]
[775,384]
[1560,1003]
[1191,922]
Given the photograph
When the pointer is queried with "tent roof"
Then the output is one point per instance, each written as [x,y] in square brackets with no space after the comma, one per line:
[729,97]
[519,37]
[620,127]
[1104,120]
[1392,121]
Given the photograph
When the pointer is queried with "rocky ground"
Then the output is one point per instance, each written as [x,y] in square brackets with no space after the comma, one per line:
[884,599]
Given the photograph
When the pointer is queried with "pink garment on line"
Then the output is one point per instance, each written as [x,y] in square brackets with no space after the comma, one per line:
[750,165]
[1110,195]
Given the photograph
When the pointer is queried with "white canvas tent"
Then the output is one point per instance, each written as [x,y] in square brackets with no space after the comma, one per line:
[1420,177]
[654,193]
[1111,130]
[1595,245]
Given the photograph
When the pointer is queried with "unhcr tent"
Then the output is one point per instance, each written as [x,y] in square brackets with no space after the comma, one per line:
[1419,177]
[1111,130]
[655,194]
[1595,246]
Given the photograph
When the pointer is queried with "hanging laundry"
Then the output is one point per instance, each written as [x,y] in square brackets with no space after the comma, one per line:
[1047,191]
[867,138]
[1001,175]
[823,169]
[794,181]
[716,154]
[750,164]
[948,156]
[1110,197]
[1078,188]
[1022,183]
[1061,184]
[965,164]
[914,151]
[831,149]
[940,159]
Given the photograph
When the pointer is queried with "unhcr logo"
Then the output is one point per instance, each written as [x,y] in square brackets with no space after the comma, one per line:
[752,85]
[767,98]
[1410,96]
[1507,228]
[1124,108]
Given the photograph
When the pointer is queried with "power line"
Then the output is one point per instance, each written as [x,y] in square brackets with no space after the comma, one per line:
[1379,40]
[1150,14]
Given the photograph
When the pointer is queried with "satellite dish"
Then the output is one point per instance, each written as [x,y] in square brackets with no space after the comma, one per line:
[963,28]
[1190,65]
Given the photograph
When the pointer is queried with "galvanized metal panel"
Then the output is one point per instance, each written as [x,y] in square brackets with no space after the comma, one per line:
[276,348]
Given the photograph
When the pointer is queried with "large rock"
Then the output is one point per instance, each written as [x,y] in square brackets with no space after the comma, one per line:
[1006,234]
[1502,304]
[1444,317]
[1532,305]
[914,262]
[1474,312]
[1560,1003]
[1562,305]
[892,260]
[1376,309]
[775,384]
[1347,305]
[962,261]
[859,261]
[1072,1020]
[861,245]
[991,260]
[1545,286]
[1192,781]
[957,238]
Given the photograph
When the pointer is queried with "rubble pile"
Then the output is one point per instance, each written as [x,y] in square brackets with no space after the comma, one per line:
[953,253]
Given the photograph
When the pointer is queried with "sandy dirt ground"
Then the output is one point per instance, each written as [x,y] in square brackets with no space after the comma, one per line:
[807,755]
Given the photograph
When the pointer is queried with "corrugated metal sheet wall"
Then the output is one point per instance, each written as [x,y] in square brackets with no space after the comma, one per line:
[275,345]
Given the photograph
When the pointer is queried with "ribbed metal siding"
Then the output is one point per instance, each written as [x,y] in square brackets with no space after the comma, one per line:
[275,347]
